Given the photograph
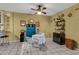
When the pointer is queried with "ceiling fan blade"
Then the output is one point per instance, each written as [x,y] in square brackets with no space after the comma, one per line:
[33,9]
[44,12]
[35,13]
[44,8]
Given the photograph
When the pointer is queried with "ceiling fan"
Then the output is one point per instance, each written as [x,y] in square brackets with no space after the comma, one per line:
[40,10]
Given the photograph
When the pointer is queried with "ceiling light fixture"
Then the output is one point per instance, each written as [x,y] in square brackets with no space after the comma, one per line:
[39,13]
[31,21]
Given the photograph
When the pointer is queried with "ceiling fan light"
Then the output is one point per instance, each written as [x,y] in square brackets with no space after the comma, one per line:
[39,13]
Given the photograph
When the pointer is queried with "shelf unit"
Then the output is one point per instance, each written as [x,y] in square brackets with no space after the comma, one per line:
[7,23]
[4,22]
[1,21]
[59,34]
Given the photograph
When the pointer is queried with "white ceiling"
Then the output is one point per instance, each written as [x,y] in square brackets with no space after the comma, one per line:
[52,8]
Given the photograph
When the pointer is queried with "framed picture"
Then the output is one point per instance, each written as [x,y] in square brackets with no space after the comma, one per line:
[22,22]
[37,23]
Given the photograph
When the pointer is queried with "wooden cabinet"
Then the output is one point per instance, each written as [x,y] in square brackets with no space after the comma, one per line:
[59,38]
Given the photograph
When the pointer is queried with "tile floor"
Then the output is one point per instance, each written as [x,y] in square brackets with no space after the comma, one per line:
[18,48]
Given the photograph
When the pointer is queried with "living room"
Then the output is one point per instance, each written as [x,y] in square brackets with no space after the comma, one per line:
[16,19]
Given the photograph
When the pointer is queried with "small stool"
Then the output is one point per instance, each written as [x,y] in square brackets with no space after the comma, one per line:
[70,44]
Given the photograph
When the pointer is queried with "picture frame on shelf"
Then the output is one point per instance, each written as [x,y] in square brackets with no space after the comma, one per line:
[62,15]
[70,14]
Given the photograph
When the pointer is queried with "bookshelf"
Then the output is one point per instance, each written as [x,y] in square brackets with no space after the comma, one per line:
[59,34]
